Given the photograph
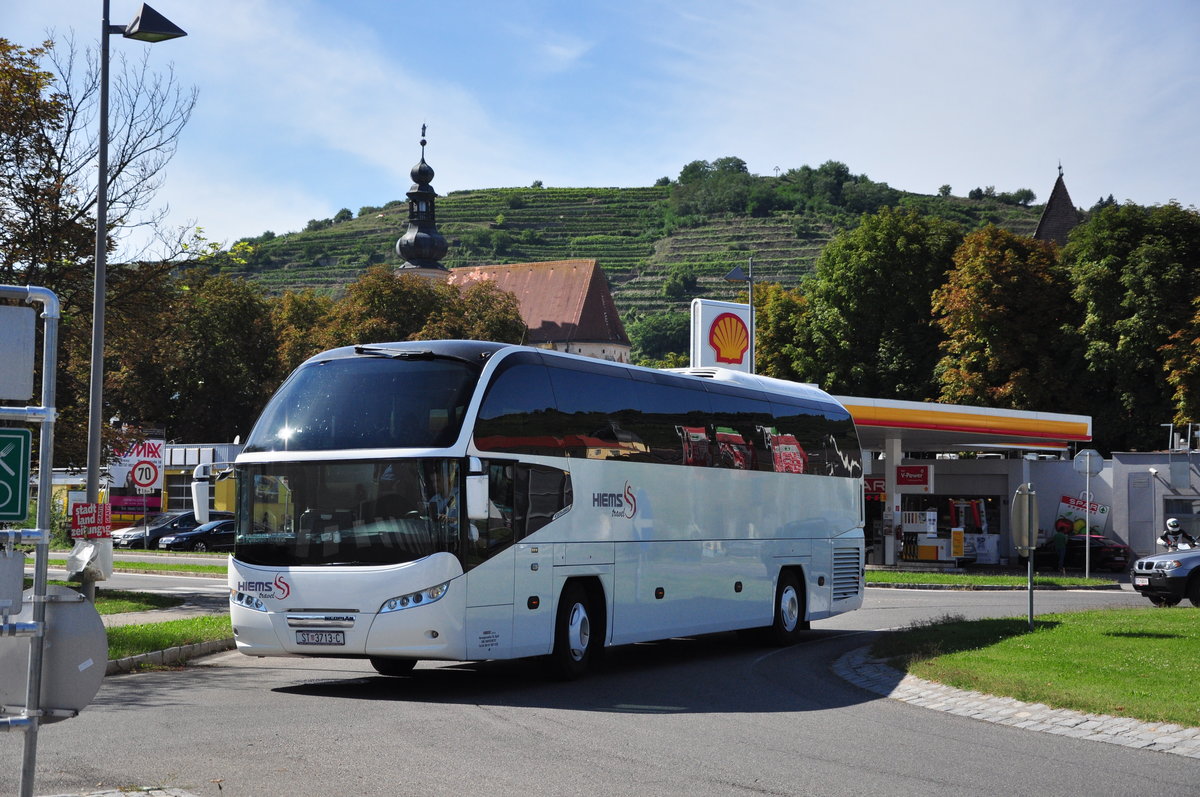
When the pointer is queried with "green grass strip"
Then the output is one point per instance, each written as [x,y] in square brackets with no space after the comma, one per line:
[130,640]
[967,579]
[166,565]
[1122,662]
[120,601]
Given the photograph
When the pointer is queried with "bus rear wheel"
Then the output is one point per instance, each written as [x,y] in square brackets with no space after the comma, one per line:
[575,633]
[393,667]
[789,611]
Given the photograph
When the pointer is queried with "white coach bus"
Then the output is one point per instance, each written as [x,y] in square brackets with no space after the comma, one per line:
[460,500]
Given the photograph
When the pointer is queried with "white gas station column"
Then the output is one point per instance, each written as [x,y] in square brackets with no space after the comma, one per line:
[892,455]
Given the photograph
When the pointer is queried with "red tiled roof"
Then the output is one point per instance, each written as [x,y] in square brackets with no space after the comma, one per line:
[562,301]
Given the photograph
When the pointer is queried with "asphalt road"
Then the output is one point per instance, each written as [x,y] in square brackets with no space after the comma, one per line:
[706,716]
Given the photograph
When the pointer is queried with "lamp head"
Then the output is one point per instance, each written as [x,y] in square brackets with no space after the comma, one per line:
[151,26]
[737,275]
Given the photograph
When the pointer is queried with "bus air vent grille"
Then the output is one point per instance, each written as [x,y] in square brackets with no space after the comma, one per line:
[847,573]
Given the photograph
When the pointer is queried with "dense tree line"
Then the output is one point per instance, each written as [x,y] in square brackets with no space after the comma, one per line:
[187,347]
[911,307]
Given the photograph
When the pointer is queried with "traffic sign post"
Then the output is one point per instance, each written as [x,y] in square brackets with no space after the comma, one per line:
[1090,463]
[14,473]
[1024,531]
[15,449]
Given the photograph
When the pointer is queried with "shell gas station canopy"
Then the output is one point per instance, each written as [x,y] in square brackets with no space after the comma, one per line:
[929,427]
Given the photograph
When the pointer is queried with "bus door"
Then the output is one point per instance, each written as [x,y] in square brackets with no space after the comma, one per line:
[521,500]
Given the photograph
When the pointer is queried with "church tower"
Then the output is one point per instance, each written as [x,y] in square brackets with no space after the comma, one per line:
[1059,216]
[422,246]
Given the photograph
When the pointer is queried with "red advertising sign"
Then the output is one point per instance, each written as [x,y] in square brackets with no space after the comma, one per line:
[91,521]
[874,484]
[912,475]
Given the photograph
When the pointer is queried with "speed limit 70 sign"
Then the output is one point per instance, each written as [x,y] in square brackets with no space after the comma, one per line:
[146,475]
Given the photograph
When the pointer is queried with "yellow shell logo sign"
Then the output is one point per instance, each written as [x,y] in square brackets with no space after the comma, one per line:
[729,338]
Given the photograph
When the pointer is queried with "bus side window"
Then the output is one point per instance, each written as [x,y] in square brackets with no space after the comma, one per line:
[541,493]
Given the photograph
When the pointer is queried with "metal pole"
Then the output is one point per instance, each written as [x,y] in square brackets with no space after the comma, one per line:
[95,400]
[33,698]
[1087,526]
[750,280]
[1030,563]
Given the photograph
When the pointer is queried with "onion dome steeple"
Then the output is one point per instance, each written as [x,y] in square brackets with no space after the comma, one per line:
[422,246]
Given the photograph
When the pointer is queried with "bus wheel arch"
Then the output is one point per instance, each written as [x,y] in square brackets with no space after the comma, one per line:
[791,606]
[579,628]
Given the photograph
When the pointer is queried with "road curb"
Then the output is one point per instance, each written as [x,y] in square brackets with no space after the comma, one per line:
[171,656]
[875,675]
[991,587]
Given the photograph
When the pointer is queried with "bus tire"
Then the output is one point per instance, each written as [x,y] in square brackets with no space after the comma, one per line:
[393,667]
[789,611]
[576,635]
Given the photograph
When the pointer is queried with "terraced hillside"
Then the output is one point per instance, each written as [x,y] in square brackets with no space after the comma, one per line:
[624,229]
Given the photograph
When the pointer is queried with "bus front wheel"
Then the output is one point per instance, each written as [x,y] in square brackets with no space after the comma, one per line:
[575,633]
[789,610]
[393,667]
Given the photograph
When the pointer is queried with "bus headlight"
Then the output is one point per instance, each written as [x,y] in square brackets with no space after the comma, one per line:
[429,595]
[246,601]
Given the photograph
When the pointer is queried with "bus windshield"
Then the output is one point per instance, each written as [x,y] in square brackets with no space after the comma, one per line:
[373,512]
[367,402]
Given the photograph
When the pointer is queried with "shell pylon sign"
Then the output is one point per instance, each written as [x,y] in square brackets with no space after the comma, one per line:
[720,335]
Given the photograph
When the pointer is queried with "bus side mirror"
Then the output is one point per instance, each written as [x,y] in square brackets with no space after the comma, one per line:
[477,490]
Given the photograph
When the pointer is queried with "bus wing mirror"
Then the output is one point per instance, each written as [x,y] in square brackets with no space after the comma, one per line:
[477,497]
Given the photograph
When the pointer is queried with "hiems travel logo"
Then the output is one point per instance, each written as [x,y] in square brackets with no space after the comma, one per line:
[620,504]
[279,588]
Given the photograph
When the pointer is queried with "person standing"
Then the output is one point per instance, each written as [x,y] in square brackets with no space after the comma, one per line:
[1060,548]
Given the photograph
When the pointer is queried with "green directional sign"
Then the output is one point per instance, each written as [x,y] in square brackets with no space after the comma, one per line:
[15,448]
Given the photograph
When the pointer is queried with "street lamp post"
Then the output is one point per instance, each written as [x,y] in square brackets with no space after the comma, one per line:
[148,26]
[747,276]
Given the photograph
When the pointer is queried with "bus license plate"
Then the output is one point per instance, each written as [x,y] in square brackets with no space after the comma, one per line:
[320,637]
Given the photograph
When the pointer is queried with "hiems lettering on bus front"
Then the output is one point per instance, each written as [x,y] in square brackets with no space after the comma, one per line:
[279,588]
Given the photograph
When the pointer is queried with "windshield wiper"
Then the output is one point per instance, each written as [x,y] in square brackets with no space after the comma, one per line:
[408,354]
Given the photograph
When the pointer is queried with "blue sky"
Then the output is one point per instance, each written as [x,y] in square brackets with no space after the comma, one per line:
[308,106]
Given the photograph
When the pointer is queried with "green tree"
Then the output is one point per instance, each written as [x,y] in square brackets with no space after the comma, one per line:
[48,144]
[778,321]
[206,367]
[381,307]
[480,311]
[657,335]
[342,215]
[680,281]
[297,319]
[1181,358]
[869,329]
[695,171]
[1008,316]
[1135,270]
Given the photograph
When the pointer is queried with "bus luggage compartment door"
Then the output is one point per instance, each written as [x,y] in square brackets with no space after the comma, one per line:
[533,600]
